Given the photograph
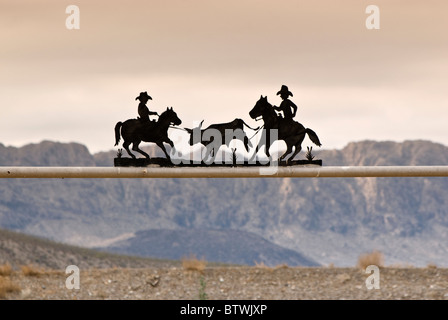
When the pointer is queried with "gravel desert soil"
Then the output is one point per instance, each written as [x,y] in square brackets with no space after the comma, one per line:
[232,283]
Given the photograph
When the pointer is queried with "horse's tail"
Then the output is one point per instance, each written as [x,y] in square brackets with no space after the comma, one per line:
[117,132]
[248,125]
[313,137]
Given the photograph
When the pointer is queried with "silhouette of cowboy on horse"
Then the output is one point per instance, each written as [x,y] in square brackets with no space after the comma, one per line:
[134,131]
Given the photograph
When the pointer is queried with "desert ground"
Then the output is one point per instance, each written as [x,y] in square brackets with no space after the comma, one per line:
[225,283]
[36,269]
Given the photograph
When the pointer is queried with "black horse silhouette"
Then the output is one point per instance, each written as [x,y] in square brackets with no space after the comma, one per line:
[290,131]
[135,131]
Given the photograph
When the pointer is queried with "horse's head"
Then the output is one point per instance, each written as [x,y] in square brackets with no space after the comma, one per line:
[195,134]
[259,109]
[170,116]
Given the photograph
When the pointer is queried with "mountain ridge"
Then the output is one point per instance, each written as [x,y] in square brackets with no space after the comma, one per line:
[211,245]
[18,249]
[330,221]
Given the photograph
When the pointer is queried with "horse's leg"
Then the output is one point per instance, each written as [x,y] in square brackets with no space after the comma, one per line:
[268,143]
[135,147]
[289,146]
[126,147]
[267,146]
[254,155]
[298,146]
[264,141]
[169,141]
[161,146]
[296,152]
[246,143]
[258,147]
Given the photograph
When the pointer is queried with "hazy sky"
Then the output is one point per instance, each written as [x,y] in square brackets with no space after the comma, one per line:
[212,60]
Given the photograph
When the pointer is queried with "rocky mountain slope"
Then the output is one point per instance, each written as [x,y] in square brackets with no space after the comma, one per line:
[211,245]
[330,221]
[17,250]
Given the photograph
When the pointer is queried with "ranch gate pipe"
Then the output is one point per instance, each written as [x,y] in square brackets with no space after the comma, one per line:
[307,171]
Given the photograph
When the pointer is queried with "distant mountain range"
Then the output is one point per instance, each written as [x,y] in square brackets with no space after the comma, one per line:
[299,221]
[238,247]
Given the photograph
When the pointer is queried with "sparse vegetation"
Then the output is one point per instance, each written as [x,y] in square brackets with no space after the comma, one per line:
[309,154]
[373,258]
[193,264]
[281,266]
[7,286]
[261,265]
[221,283]
[31,271]
[5,269]
[202,293]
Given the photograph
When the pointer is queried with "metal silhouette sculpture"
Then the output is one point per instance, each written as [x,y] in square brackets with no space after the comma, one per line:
[135,131]
[288,130]
[277,118]
[227,132]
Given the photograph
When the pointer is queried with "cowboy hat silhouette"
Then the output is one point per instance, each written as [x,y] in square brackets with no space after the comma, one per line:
[144,96]
[285,89]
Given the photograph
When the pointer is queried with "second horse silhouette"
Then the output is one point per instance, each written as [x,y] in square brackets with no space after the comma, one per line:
[292,132]
[135,131]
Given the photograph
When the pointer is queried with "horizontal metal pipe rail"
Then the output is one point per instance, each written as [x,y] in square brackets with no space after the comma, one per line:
[311,171]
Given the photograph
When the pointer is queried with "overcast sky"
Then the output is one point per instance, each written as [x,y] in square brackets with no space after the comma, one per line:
[212,60]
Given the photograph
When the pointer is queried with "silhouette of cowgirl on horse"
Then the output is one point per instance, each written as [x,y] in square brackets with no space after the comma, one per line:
[134,131]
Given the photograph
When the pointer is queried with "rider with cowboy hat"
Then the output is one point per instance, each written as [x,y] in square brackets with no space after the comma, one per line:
[286,104]
[143,110]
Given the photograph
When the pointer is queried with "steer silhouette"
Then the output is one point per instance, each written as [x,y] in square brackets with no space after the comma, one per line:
[225,131]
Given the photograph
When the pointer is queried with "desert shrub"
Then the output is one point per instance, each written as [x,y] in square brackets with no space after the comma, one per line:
[281,266]
[31,271]
[7,286]
[5,269]
[193,264]
[372,258]
[262,265]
